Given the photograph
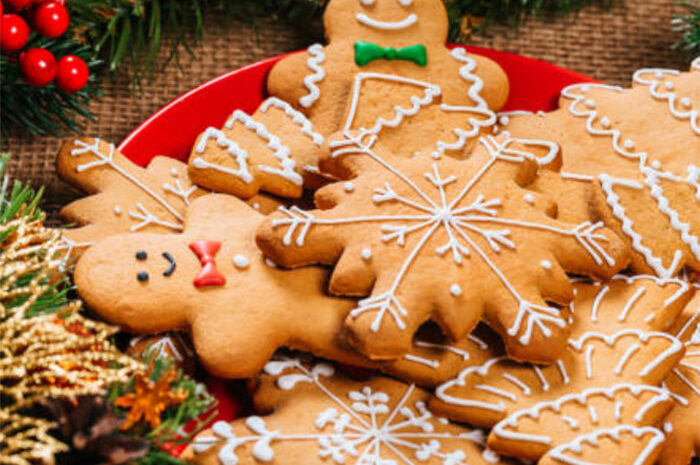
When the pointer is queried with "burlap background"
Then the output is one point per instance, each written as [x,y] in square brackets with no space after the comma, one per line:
[607,44]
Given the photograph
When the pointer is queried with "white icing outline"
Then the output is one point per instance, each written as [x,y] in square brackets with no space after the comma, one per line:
[316,59]
[670,97]
[581,398]
[297,117]
[592,439]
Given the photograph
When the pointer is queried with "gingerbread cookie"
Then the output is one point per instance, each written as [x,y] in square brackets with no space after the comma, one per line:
[196,275]
[125,197]
[387,59]
[630,157]
[320,417]
[274,150]
[623,444]
[446,240]
[615,339]
[171,345]
[683,423]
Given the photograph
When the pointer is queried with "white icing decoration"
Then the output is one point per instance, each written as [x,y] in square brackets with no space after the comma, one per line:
[316,58]
[306,127]
[142,214]
[233,149]
[348,186]
[366,254]
[669,96]
[455,290]
[546,264]
[173,172]
[180,191]
[456,220]
[529,198]
[361,424]
[407,22]
[117,210]
[507,428]
[281,151]
[241,261]
[561,452]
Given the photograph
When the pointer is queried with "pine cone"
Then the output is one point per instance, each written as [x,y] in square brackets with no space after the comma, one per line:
[89,426]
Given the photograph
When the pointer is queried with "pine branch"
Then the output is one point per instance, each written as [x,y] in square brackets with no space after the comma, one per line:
[44,110]
[688,27]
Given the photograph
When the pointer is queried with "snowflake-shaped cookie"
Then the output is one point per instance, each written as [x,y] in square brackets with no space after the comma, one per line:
[320,417]
[444,239]
[633,155]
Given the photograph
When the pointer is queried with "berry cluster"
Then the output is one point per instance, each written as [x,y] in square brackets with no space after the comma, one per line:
[39,66]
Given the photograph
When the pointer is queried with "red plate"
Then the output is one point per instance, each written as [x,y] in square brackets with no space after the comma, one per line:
[534,85]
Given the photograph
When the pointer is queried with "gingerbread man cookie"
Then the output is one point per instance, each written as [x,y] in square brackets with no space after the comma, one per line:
[149,283]
[630,157]
[445,240]
[319,416]
[396,49]
[274,150]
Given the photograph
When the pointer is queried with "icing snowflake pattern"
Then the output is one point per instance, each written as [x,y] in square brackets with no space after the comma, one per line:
[360,429]
[460,220]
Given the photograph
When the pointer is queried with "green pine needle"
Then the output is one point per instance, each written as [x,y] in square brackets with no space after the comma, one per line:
[43,110]
[688,27]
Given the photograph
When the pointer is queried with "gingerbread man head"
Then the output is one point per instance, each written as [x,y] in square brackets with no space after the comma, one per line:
[390,22]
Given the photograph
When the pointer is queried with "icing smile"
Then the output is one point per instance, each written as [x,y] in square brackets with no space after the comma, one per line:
[408,21]
[171,267]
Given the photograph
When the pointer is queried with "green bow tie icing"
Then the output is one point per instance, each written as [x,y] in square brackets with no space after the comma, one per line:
[366,52]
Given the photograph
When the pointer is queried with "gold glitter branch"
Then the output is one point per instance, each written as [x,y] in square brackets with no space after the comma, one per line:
[44,352]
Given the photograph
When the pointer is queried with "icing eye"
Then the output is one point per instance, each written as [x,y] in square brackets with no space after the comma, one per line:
[142,276]
[141,255]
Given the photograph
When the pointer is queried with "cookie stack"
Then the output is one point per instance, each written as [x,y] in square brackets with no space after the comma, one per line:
[519,286]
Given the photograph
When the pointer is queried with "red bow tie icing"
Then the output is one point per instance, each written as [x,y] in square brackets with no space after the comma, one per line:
[209,275]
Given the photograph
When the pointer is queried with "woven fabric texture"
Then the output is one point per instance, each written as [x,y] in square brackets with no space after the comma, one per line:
[608,44]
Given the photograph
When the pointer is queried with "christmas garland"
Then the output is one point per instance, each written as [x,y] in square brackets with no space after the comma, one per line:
[67,394]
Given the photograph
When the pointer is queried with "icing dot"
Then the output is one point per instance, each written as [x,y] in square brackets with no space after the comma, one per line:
[529,198]
[141,255]
[241,261]
[270,263]
[117,210]
[668,85]
[366,254]
[590,103]
[656,164]
[628,144]
[605,122]
[256,206]
[504,120]
[455,290]
[349,187]
[685,101]
[546,264]
[142,276]
[173,172]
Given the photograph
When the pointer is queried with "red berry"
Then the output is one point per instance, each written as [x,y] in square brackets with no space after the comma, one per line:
[72,73]
[19,4]
[51,19]
[14,33]
[38,66]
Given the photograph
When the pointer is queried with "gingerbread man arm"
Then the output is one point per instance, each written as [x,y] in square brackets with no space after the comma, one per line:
[286,78]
